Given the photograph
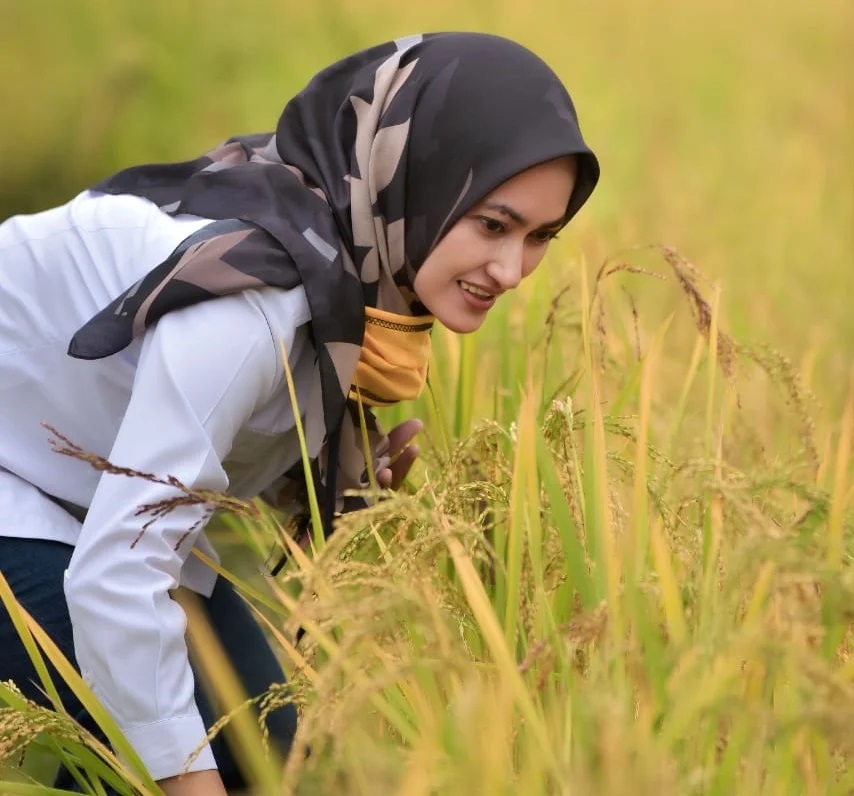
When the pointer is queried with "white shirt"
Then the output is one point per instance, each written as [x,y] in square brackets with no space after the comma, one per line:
[201,396]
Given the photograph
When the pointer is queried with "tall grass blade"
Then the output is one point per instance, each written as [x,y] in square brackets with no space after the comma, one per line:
[519,525]
[314,508]
[496,641]
[133,771]
[563,522]
[466,380]
[600,531]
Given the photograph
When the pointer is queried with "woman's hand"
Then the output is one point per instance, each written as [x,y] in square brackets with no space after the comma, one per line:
[196,783]
[402,454]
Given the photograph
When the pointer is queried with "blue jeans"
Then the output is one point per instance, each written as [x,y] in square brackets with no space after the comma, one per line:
[34,569]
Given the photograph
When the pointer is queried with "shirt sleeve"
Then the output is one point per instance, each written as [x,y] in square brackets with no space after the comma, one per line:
[201,373]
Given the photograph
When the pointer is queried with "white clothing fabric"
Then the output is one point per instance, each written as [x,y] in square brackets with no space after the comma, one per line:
[201,396]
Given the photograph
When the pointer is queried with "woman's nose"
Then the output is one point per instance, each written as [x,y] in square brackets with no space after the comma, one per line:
[506,267]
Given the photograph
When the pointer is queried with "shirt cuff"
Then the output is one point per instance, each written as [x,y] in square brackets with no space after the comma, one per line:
[165,746]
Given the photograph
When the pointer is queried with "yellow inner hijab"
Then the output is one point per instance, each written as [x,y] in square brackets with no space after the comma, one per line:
[395,353]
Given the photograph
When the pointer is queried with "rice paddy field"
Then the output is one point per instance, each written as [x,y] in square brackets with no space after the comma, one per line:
[623,564]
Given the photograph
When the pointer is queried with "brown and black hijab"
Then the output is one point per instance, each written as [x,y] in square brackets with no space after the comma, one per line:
[368,167]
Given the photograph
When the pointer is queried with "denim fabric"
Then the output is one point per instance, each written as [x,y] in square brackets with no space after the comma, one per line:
[34,569]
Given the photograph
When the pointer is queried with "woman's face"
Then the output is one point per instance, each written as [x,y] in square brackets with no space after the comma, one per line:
[495,245]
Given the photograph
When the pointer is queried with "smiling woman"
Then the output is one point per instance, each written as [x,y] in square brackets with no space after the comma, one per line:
[499,242]
[394,186]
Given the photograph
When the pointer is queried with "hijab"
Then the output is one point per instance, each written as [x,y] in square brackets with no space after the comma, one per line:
[369,165]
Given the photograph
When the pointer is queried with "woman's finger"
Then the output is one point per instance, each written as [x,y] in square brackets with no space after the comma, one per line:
[402,465]
[400,436]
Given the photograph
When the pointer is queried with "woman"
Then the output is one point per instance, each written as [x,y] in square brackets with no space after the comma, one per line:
[413,181]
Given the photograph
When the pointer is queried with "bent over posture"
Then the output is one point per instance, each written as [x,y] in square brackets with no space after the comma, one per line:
[413,182]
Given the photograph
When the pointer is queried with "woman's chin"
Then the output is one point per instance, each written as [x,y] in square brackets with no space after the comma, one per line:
[460,324]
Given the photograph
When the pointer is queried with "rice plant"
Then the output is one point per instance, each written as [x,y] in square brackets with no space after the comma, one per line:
[589,592]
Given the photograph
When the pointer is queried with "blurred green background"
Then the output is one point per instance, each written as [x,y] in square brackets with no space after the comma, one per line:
[724,127]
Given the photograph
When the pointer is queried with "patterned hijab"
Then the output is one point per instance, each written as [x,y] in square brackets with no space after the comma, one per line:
[368,167]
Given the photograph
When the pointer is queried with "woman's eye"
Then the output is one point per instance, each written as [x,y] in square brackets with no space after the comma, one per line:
[492,225]
[543,236]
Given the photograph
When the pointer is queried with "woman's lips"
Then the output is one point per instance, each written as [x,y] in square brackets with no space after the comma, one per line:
[476,296]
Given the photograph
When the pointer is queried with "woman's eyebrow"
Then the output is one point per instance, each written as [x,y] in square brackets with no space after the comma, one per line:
[518,217]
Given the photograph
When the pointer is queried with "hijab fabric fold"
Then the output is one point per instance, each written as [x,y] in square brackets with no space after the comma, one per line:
[368,167]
